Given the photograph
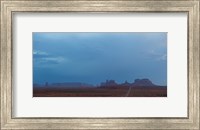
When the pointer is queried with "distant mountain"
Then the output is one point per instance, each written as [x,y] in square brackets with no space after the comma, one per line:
[143,82]
[71,84]
[108,83]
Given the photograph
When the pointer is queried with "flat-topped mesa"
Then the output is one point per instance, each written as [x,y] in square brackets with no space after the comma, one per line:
[143,82]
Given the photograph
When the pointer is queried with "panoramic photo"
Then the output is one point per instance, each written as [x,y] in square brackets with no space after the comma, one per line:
[99,64]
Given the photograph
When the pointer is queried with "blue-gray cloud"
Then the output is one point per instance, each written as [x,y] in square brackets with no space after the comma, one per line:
[44,59]
[94,57]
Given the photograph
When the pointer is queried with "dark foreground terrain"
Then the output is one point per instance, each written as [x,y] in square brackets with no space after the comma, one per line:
[140,91]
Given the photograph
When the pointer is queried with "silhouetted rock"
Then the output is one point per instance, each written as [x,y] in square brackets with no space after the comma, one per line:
[125,84]
[143,82]
[109,83]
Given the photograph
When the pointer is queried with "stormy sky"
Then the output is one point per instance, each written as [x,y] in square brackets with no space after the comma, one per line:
[97,56]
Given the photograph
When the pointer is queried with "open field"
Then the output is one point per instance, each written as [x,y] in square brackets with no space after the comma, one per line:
[100,92]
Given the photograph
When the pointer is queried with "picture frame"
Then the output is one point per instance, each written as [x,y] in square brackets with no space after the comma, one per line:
[8,7]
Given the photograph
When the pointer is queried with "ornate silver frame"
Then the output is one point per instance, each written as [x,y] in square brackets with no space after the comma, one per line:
[8,7]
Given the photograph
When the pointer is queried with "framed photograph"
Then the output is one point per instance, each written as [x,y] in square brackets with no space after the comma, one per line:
[80,64]
[100,64]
